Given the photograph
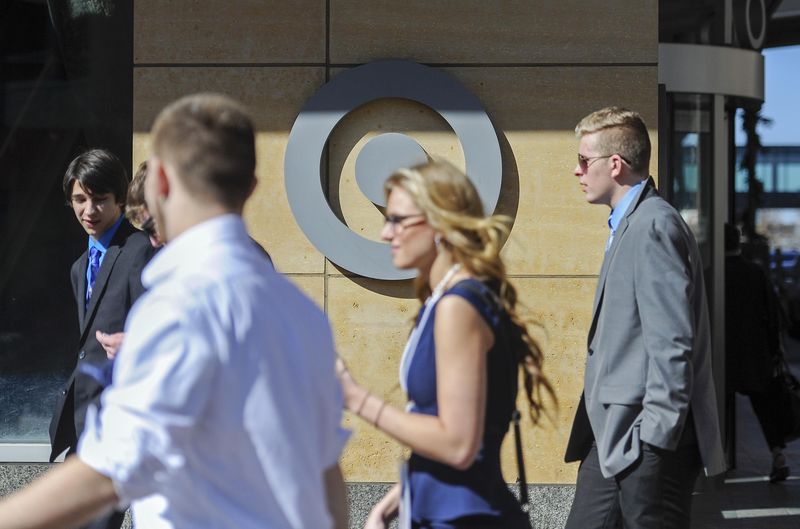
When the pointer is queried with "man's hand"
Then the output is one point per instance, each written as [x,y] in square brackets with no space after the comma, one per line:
[110,342]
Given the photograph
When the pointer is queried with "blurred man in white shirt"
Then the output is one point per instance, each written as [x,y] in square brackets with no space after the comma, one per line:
[224,410]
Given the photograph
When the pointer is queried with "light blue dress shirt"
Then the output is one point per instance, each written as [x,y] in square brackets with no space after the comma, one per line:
[618,212]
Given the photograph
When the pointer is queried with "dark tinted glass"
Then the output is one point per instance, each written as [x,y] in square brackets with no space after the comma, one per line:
[66,86]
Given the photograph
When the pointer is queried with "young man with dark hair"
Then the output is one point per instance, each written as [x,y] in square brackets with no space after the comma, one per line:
[225,409]
[106,280]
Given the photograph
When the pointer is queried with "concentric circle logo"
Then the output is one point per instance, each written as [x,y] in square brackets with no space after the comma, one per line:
[382,155]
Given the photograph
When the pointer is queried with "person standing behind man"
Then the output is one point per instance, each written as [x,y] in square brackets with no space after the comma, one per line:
[753,346]
[137,214]
[225,409]
[106,281]
[647,420]
[136,207]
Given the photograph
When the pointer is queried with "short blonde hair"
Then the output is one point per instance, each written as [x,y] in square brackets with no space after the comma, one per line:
[210,140]
[624,133]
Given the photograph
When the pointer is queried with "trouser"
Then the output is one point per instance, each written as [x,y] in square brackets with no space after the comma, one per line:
[767,407]
[654,492]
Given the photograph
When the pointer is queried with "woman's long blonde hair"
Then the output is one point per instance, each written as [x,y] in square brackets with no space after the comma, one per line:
[453,208]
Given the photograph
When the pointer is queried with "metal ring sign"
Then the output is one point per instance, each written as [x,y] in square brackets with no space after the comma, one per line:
[348,91]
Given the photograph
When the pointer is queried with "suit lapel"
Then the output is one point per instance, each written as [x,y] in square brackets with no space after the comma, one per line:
[80,298]
[647,188]
[601,282]
[113,252]
[100,283]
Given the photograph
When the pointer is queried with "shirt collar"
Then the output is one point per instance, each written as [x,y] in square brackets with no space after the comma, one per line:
[104,241]
[622,206]
[192,244]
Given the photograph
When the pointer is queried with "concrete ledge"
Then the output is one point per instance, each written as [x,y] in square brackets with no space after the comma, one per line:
[16,475]
[549,503]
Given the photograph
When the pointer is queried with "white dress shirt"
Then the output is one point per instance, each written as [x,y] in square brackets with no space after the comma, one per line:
[225,410]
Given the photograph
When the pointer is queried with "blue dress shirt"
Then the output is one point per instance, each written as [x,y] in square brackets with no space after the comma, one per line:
[102,244]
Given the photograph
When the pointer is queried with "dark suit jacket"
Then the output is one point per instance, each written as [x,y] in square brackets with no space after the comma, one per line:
[116,288]
[752,326]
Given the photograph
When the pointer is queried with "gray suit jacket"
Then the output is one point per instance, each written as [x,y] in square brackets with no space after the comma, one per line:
[649,348]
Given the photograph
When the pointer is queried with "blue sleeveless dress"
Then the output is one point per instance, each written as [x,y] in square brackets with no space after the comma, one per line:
[440,494]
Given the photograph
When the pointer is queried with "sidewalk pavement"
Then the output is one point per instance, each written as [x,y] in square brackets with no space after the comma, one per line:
[745,498]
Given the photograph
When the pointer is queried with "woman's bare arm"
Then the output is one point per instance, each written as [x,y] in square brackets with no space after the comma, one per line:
[453,437]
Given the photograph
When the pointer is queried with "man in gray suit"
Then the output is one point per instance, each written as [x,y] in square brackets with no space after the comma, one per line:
[647,420]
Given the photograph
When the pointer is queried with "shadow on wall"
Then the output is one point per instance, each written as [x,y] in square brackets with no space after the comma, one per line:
[507,205]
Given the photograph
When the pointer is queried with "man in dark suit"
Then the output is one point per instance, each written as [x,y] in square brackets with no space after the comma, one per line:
[106,281]
[752,345]
[647,421]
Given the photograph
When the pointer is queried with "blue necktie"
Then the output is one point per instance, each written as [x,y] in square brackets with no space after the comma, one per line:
[610,239]
[94,267]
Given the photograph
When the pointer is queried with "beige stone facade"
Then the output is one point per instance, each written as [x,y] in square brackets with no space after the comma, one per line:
[537,68]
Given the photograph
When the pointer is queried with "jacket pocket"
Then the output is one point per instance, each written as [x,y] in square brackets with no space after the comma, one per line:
[621,394]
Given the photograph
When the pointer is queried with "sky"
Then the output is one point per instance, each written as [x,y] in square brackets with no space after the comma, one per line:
[781,100]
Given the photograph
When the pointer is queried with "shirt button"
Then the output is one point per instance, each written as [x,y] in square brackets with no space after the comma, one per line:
[63,392]
[82,355]
[591,351]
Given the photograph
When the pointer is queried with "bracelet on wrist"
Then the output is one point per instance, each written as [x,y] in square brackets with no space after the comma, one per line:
[378,415]
[363,402]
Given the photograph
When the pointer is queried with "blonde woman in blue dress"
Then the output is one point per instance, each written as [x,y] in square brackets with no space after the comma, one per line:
[461,364]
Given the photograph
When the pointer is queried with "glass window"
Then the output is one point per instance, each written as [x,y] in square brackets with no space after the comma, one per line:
[787,178]
[778,168]
[692,164]
[765,174]
[741,179]
[67,85]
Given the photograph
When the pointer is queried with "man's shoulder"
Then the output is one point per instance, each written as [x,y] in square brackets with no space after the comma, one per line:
[134,244]
[137,239]
[657,223]
[128,235]
[655,213]
[655,206]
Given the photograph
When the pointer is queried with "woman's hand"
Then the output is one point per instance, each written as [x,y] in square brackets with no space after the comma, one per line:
[385,510]
[375,520]
[354,395]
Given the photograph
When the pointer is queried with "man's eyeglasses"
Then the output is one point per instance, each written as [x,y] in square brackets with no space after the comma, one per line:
[586,161]
[396,221]
[149,227]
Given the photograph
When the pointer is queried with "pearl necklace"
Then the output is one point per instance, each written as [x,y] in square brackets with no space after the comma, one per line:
[445,280]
